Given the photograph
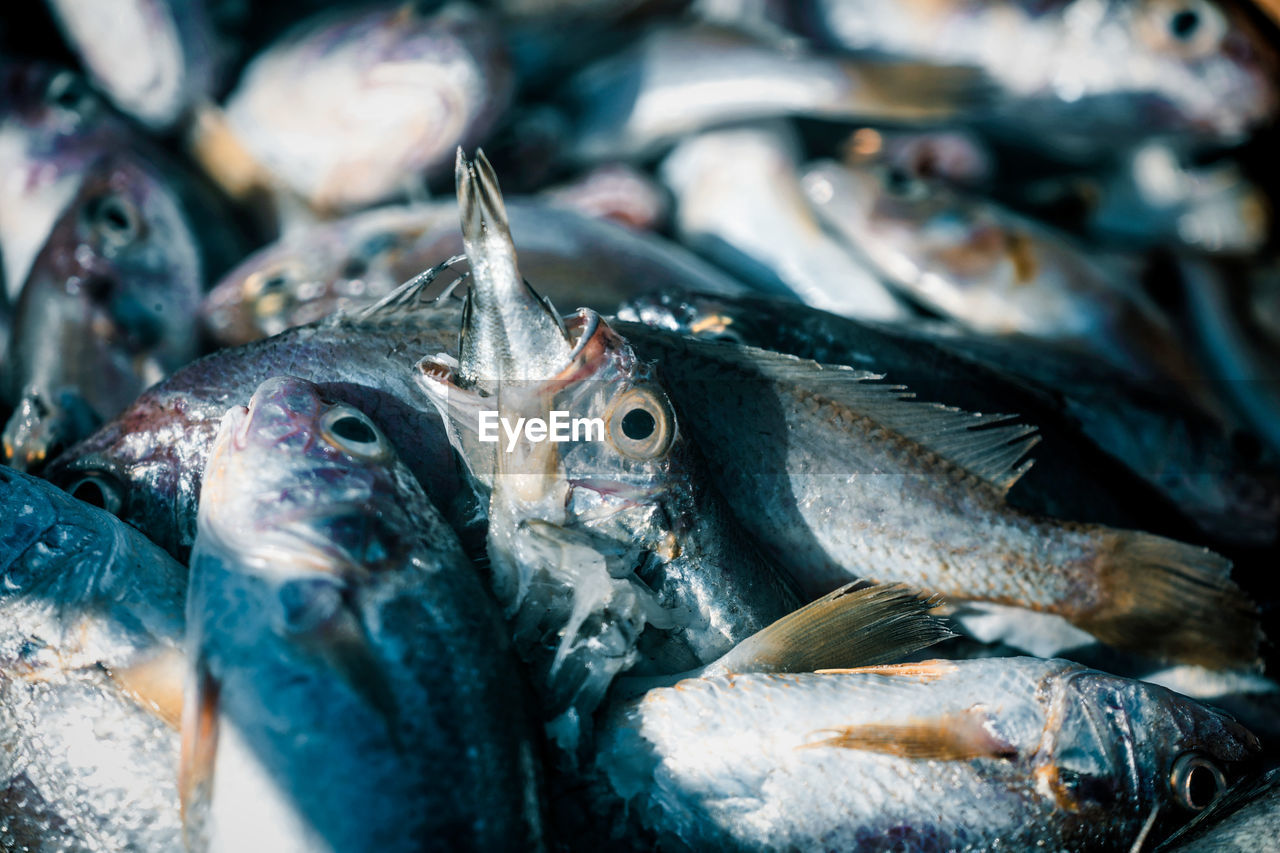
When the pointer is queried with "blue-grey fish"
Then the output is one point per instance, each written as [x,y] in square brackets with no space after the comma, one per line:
[91,669]
[109,308]
[1016,753]
[351,685]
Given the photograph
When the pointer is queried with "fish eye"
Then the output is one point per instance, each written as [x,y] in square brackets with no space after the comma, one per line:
[1197,782]
[640,423]
[902,184]
[113,218]
[353,433]
[68,91]
[1189,28]
[97,490]
[267,282]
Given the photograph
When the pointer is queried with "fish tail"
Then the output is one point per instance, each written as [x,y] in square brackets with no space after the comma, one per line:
[1172,601]
[916,91]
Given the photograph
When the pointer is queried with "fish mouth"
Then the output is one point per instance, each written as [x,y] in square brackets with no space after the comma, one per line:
[509,332]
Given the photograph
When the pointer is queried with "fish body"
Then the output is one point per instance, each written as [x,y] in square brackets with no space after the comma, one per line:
[680,80]
[1080,79]
[739,201]
[939,755]
[329,597]
[349,106]
[1169,446]
[90,677]
[336,266]
[149,460]
[596,539]
[153,58]
[109,309]
[885,487]
[52,129]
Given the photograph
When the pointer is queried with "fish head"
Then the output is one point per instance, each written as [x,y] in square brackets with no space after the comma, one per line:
[296,480]
[48,101]
[1122,740]
[106,310]
[1211,69]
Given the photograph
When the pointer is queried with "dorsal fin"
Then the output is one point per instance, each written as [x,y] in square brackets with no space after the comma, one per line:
[410,296]
[985,445]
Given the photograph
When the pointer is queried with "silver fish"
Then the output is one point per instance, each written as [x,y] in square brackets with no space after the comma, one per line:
[350,106]
[595,539]
[1079,79]
[940,755]
[328,597]
[739,201]
[873,483]
[312,273]
[153,58]
[146,464]
[679,80]
[90,677]
[109,309]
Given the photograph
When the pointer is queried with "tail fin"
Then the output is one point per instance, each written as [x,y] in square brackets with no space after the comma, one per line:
[1174,602]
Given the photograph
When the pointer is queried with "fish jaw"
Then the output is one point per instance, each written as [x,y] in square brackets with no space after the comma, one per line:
[509,333]
[43,424]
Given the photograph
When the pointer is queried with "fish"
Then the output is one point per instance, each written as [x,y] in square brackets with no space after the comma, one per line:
[329,597]
[1235,823]
[52,129]
[873,483]
[739,202]
[990,270]
[91,665]
[617,192]
[109,309]
[353,261]
[597,540]
[678,80]
[1079,80]
[935,755]
[146,464]
[348,107]
[154,59]
[1129,453]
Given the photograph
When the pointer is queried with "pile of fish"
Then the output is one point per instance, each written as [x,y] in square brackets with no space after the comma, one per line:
[855,426]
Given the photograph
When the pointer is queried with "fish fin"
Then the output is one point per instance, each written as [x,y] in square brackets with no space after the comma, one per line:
[156,684]
[954,736]
[410,296]
[917,91]
[199,748]
[1171,601]
[927,670]
[493,208]
[985,445]
[854,625]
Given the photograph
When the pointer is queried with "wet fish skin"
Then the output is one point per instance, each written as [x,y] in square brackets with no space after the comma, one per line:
[677,80]
[1082,78]
[149,460]
[90,683]
[1175,449]
[933,755]
[108,310]
[875,485]
[332,267]
[739,201]
[380,94]
[153,58]
[328,592]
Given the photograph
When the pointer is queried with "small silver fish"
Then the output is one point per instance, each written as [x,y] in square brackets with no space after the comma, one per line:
[940,755]
[351,106]
[351,685]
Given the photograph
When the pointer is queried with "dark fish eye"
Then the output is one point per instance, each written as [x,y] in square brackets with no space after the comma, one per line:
[1197,782]
[67,91]
[638,424]
[277,281]
[97,491]
[353,429]
[354,268]
[112,217]
[1184,24]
